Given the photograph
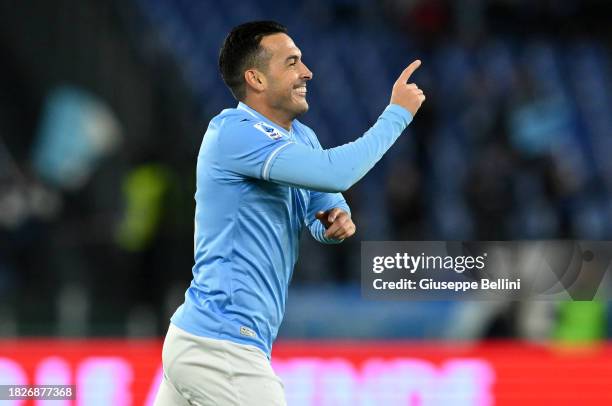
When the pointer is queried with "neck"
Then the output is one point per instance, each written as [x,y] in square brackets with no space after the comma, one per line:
[274,115]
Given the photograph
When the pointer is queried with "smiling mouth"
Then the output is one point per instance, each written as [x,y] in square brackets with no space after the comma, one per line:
[300,90]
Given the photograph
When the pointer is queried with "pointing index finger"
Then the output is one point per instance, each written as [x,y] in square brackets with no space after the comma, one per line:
[405,75]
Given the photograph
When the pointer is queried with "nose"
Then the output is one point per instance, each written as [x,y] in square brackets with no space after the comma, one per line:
[306,73]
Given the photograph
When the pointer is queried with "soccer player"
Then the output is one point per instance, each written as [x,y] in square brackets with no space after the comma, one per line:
[261,177]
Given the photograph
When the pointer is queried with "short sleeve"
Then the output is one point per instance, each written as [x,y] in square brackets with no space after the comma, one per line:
[249,147]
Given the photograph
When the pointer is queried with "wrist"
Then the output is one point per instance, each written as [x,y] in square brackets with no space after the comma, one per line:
[399,112]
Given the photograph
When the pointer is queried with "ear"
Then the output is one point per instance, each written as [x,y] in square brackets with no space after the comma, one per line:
[255,79]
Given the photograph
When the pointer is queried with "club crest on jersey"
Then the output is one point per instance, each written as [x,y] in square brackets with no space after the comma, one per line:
[269,130]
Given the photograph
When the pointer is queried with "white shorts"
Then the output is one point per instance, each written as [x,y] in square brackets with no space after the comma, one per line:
[204,371]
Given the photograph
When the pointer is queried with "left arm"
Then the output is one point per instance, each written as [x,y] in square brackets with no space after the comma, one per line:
[329,218]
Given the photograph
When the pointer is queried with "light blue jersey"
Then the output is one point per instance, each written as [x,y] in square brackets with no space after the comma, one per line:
[258,186]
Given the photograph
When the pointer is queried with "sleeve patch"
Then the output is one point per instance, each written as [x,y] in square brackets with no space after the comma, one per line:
[270,131]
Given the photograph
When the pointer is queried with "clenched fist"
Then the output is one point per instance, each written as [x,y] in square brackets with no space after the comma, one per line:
[408,95]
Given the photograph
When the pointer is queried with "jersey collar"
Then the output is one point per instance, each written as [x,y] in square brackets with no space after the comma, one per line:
[259,116]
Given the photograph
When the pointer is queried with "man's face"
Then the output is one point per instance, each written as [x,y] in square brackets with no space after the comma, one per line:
[286,75]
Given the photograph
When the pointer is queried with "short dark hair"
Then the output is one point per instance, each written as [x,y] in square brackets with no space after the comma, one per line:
[241,51]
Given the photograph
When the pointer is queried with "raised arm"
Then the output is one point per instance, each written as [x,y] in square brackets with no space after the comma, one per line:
[337,169]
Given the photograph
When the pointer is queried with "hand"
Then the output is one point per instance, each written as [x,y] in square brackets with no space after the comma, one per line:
[408,95]
[337,222]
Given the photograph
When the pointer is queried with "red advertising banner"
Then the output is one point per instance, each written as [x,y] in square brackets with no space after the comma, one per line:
[127,372]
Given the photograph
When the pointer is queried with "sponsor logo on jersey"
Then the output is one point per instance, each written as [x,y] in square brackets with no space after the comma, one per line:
[269,130]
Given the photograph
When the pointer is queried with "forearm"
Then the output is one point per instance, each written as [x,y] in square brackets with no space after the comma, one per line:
[337,169]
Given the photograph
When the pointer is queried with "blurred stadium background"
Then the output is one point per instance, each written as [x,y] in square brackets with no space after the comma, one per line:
[102,108]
